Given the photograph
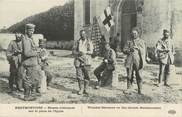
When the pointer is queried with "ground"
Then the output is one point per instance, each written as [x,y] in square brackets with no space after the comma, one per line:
[64,86]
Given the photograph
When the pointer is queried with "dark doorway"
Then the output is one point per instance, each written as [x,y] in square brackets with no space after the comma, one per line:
[128,20]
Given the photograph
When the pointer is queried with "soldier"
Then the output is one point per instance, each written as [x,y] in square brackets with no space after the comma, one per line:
[135,50]
[13,53]
[30,68]
[44,60]
[106,68]
[83,50]
[165,53]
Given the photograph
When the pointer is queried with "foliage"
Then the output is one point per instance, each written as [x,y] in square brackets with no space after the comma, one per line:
[55,24]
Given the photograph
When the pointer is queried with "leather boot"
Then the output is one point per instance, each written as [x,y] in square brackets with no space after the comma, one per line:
[80,92]
[128,84]
[27,96]
[140,88]
[166,81]
[86,83]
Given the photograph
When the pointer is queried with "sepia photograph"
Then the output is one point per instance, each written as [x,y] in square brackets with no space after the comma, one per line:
[90,52]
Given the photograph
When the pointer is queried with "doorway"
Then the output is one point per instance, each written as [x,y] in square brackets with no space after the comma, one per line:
[128,20]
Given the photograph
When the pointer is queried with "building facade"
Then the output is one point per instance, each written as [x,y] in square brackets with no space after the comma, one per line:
[152,16]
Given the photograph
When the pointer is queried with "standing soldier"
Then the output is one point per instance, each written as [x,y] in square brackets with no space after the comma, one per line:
[32,70]
[43,61]
[165,53]
[83,50]
[135,50]
[13,53]
[106,68]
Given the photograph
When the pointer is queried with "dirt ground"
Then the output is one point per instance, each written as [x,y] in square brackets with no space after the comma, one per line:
[64,86]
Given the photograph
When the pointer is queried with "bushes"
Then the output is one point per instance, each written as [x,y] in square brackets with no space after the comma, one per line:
[65,45]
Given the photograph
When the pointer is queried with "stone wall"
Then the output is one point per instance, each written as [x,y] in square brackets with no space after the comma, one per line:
[160,14]
[157,15]
[78,18]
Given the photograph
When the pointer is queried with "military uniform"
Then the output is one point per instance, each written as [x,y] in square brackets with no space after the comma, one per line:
[135,61]
[82,51]
[106,69]
[14,57]
[165,53]
[31,71]
[43,61]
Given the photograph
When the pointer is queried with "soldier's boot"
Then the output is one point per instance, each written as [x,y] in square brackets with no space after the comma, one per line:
[38,92]
[140,88]
[34,92]
[19,86]
[98,84]
[11,88]
[159,81]
[86,84]
[80,92]
[161,76]
[27,96]
[98,76]
[166,81]
[128,84]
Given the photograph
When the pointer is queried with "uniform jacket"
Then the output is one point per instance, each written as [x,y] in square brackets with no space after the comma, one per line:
[43,58]
[161,47]
[138,56]
[29,55]
[13,54]
[110,56]
[82,52]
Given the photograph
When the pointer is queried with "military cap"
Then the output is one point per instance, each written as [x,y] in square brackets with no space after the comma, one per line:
[29,26]
[165,31]
[136,29]
[17,34]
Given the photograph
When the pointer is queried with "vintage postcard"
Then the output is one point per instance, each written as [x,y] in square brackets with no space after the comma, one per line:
[91,58]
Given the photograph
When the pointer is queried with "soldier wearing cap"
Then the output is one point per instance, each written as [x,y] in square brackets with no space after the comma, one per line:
[30,68]
[83,50]
[165,54]
[106,68]
[135,50]
[43,60]
[14,54]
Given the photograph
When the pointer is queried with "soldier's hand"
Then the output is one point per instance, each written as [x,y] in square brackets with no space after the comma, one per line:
[148,59]
[135,47]
[167,51]
[80,53]
[105,61]
[131,49]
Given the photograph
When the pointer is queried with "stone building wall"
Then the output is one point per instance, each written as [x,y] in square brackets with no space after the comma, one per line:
[78,18]
[157,15]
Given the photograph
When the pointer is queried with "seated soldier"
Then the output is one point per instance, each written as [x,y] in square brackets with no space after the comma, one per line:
[106,68]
